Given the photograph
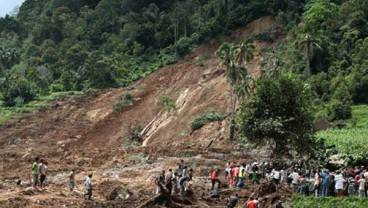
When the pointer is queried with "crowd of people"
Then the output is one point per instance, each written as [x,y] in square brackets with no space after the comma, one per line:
[301,180]
[319,182]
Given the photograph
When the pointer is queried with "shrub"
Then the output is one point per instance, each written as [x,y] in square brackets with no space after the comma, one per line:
[167,103]
[20,88]
[126,99]
[208,117]
[136,132]
[183,46]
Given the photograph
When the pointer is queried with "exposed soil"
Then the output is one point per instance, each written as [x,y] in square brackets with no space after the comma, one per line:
[84,133]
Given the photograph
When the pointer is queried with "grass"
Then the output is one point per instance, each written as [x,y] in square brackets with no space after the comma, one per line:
[351,141]
[41,102]
[329,202]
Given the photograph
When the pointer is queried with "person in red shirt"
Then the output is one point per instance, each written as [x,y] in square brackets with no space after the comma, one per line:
[214,179]
[252,203]
[236,171]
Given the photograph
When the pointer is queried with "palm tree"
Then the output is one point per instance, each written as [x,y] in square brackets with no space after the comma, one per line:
[307,45]
[235,73]
[244,51]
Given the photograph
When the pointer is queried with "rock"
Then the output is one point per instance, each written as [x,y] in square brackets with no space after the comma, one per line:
[117,192]
[28,191]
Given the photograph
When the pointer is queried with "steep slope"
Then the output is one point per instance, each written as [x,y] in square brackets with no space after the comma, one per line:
[86,134]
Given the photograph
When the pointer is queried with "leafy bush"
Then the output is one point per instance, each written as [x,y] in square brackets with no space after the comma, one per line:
[167,103]
[183,46]
[20,88]
[126,99]
[136,132]
[339,110]
[208,117]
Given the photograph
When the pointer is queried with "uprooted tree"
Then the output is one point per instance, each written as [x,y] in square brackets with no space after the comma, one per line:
[279,112]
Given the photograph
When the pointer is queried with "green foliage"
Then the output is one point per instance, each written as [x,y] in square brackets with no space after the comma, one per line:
[279,111]
[322,202]
[136,132]
[350,142]
[126,99]
[166,103]
[20,88]
[207,117]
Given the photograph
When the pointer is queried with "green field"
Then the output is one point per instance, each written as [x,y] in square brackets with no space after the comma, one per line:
[40,103]
[329,202]
[351,141]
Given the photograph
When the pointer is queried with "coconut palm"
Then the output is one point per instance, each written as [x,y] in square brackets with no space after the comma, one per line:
[235,73]
[244,51]
[307,45]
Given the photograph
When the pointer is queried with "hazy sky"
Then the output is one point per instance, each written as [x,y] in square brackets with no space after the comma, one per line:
[6,6]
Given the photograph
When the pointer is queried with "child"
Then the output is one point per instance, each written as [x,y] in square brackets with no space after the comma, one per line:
[71,180]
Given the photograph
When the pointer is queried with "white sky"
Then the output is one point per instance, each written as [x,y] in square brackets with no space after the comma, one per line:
[7,6]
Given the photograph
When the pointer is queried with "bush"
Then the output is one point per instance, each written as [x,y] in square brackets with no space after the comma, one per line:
[19,89]
[208,117]
[339,110]
[167,103]
[136,132]
[126,99]
[183,46]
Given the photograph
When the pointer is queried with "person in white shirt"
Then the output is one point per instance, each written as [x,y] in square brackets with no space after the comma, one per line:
[339,184]
[88,184]
[276,176]
[42,168]
[294,180]
[361,186]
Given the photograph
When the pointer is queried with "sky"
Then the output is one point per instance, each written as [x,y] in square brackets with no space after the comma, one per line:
[7,6]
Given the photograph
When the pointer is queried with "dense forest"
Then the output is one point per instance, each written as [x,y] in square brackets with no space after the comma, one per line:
[66,45]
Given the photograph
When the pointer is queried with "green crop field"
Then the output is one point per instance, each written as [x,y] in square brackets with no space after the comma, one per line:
[352,141]
[329,202]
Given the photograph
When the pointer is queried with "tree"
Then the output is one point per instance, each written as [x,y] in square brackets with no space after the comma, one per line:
[279,112]
[307,45]
[235,73]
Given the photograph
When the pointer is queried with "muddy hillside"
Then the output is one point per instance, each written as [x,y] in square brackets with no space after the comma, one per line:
[88,134]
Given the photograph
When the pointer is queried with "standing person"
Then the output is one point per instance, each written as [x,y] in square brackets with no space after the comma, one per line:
[175,183]
[356,179]
[339,184]
[42,171]
[160,182]
[361,187]
[181,167]
[242,175]
[235,171]
[168,180]
[294,176]
[227,170]
[190,174]
[276,175]
[214,179]
[317,182]
[326,181]
[254,176]
[88,185]
[35,171]
[71,180]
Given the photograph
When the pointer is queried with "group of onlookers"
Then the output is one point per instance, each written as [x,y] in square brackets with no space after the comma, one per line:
[39,170]
[322,182]
[175,182]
